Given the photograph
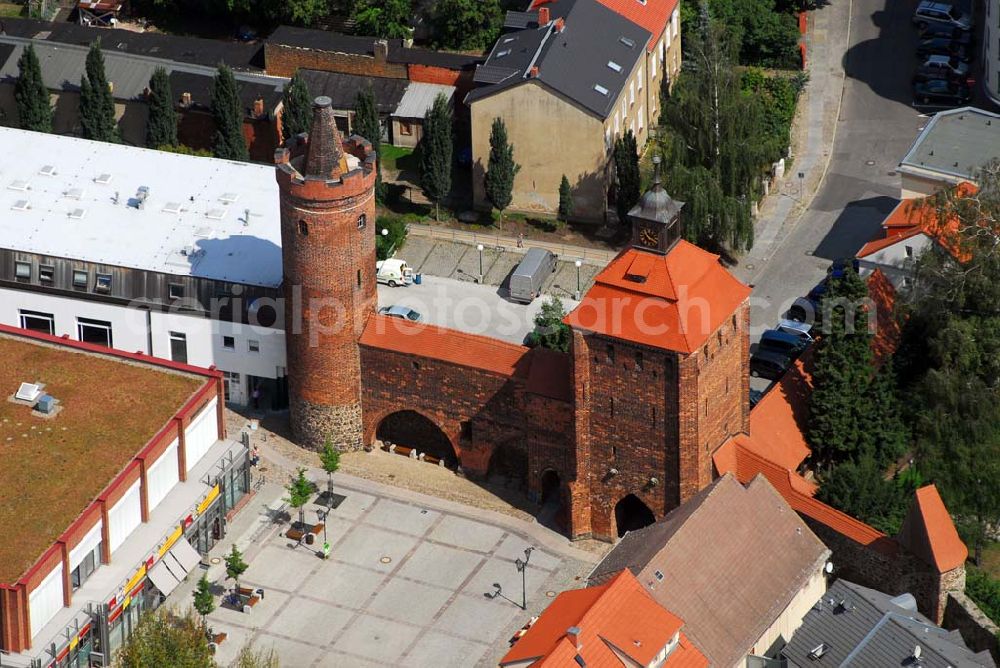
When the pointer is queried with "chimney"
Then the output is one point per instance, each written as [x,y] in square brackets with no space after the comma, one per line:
[543,16]
[186,99]
[560,24]
[534,71]
[381,50]
[573,635]
[258,108]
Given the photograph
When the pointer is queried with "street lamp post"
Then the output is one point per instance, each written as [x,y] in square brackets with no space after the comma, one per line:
[578,264]
[522,566]
[479,247]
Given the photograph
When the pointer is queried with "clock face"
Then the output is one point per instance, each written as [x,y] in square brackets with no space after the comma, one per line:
[649,237]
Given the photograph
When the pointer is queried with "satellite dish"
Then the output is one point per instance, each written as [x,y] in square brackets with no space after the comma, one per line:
[828,567]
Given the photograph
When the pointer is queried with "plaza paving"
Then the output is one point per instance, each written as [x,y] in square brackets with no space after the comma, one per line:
[403,586]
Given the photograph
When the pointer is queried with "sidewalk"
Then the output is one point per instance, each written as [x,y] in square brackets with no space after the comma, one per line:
[814,133]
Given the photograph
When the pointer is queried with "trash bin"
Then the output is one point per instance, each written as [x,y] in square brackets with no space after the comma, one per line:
[310,539]
[418,278]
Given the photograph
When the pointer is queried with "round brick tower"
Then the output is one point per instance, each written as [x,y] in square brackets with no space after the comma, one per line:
[328,249]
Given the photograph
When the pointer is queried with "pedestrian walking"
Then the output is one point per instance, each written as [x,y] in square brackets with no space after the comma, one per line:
[520,240]
[255,395]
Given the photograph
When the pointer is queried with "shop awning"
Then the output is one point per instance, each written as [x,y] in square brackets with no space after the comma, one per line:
[167,573]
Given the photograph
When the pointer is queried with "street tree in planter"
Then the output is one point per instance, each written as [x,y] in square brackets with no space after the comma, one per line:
[501,169]
[296,108]
[204,601]
[235,566]
[330,458]
[161,128]
[32,97]
[299,490]
[97,105]
[436,153]
[228,141]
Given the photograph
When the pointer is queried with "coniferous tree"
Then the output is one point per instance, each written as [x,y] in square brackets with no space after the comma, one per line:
[436,153]
[627,167]
[565,199]
[296,105]
[861,490]
[161,128]
[97,105]
[501,168]
[838,406]
[228,142]
[367,125]
[32,97]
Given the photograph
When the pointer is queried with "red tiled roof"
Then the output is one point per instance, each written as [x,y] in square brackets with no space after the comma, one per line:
[682,298]
[446,345]
[779,420]
[619,614]
[930,533]
[919,216]
[653,15]
[790,486]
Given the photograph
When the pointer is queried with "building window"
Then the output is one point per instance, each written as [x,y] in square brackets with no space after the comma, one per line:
[175,291]
[642,112]
[46,273]
[178,347]
[80,278]
[638,77]
[359,278]
[362,221]
[405,128]
[87,567]
[638,360]
[631,92]
[612,407]
[706,407]
[416,365]
[38,322]
[22,271]
[719,335]
[303,228]
[103,284]
[617,122]
[229,342]
[611,354]
[735,328]
[97,332]
[652,65]
[253,346]
[909,252]
[229,377]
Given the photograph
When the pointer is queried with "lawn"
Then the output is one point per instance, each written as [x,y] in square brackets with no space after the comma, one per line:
[52,469]
[397,158]
[11,9]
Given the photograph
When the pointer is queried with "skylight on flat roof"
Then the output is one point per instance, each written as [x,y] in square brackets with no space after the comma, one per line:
[18,185]
[229,198]
[627,42]
[103,179]
[615,66]
[47,170]
[216,214]
[172,207]
[21,205]
[77,214]
[600,89]
[75,193]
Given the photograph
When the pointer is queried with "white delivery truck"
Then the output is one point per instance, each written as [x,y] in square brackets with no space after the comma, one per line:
[393,272]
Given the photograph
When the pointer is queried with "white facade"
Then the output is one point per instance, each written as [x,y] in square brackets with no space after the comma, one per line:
[896,261]
[162,475]
[791,617]
[201,434]
[46,600]
[235,348]
[125,516]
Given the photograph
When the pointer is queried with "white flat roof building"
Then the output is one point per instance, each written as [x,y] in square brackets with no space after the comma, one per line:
[79,199]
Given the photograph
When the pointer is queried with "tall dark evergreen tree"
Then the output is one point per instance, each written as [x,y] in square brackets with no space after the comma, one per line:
[32,97]
[228,142]
[161,128]
[501,168]
[97,105]
[367,125]
[296,105]
[565,199]
[838,406]
[436,153]
[627,167]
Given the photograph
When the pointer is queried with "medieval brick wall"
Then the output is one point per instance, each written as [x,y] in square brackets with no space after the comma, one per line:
[978,631]
[282,61]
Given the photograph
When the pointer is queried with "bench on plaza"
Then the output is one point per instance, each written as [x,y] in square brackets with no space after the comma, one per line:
[295,534]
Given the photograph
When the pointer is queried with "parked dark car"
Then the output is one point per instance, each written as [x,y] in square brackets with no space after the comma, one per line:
[781,342]
[939,46]
[839,266]
[944,67]
[958,35]
[940,91]
[769,364]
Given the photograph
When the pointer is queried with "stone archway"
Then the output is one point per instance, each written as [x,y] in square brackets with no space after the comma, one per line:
[551,488]
[631,514]
[414,430]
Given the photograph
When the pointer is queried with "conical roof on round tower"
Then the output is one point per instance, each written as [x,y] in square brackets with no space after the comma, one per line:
[324,157]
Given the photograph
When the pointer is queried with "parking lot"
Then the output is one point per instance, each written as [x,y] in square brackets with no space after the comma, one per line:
[962,48]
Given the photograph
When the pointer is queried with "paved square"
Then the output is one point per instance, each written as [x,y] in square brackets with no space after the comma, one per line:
[403,586]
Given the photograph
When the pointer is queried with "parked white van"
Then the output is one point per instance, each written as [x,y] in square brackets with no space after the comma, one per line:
[393,272]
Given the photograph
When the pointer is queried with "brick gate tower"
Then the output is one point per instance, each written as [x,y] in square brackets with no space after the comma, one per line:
[328,249]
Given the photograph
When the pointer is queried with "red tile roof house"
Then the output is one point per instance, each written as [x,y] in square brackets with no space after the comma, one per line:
[734,562]
[613,624]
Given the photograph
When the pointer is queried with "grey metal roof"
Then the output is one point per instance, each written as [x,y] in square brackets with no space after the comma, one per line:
[419,98]
[956,143]
[574,60]
[63,65]
[343,89]
[861,627]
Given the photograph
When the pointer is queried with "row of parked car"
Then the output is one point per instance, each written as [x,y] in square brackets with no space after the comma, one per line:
[779,347]
[945,51]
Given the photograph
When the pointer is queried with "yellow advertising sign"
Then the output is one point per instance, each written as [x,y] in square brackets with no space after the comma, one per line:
[171,539]
[212,494]
[136,579]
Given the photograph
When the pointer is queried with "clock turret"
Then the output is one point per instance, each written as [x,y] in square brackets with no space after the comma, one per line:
[656,219]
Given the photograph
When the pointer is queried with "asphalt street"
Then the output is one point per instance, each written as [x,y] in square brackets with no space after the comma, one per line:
[875,128]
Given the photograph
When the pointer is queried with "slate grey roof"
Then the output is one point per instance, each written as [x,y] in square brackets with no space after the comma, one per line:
[324,40]
[861,627]
[956,143]
[343,89]
[572,61]
[193,50]
[63,65]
